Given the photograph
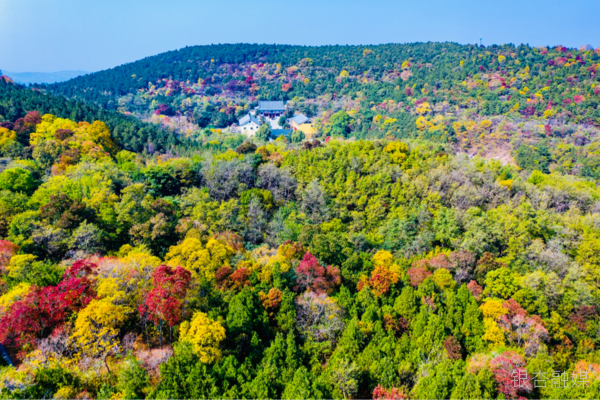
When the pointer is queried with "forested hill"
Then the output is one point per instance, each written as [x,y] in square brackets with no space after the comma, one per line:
[533,107]
[129,132]
[191,63]
[437,70]
[390,268]
[380,269]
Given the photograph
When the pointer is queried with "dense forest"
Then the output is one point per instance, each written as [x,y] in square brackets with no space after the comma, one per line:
[524,105]
[393,257]
[128,131]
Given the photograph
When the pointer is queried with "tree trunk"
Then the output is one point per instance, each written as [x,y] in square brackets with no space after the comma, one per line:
[160,333]
[106,364]
[146,332]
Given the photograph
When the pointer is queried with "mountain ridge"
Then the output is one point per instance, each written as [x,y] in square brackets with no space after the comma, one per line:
[44,77]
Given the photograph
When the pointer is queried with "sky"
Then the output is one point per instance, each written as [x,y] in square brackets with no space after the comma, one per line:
[91,35]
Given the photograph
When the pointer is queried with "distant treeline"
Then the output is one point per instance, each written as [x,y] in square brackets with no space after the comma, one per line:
[129,132]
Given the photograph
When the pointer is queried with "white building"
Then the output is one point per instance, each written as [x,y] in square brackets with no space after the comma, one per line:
[249,125]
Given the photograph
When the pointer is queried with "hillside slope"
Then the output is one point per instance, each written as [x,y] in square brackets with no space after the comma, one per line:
[381,269]
[127,131]
[384,268]
[537,107]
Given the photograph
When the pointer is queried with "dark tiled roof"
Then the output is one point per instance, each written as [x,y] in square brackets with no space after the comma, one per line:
[248,118]
[279,132]
[271,106]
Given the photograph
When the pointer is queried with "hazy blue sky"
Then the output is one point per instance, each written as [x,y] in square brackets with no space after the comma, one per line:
[89,35]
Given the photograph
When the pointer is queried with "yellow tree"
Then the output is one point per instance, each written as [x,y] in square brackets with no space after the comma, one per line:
[398,151]
[17,293]
[97,134]
[6,135]
[92,140]
[443,279]
[201,261]
[492,309]
[20,265]
[205,335]
[97,326]
[48,127]
[131,272]
[384,276]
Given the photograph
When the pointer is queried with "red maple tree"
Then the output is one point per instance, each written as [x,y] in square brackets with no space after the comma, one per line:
[417,275]
[510,374]
[163,302]
[381,393]
[313,276]
[44,309]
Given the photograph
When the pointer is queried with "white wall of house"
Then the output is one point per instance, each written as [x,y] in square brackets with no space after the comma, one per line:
[249,129]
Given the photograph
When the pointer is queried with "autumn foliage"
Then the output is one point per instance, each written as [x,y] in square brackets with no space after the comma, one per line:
[375,259]
[417,275]
[44,309]
[165,299]
[312,276]
[510,374]
[381,393]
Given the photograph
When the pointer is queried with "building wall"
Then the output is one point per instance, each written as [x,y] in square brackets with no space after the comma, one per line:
[271,114]
[307,129]
[249,129]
